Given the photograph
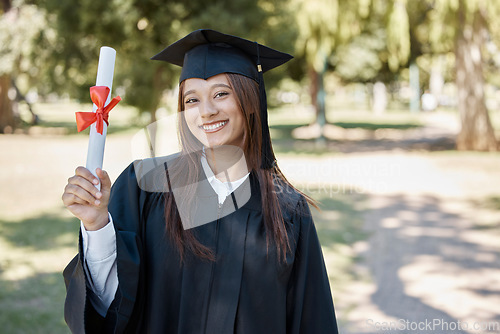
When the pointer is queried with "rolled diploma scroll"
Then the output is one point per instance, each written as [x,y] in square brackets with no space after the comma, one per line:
[105,69]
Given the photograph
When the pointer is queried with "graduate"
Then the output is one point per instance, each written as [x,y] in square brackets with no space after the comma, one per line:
[212,240]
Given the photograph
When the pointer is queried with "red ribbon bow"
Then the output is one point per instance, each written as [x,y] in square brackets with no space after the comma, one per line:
[98,95]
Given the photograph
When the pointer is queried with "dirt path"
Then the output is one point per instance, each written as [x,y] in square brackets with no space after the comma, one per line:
[434,245]
[431,263]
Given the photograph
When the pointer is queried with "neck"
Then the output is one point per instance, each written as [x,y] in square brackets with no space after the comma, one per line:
[227,162]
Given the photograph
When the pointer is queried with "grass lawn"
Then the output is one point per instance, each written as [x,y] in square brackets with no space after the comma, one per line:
[32,252]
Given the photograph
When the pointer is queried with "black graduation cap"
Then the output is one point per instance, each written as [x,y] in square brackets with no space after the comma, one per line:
[205,53]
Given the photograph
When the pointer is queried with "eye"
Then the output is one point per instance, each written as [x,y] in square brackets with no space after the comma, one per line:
[221,94]
[191,100]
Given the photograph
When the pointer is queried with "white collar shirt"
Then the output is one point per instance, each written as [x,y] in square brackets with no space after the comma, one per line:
[222,189]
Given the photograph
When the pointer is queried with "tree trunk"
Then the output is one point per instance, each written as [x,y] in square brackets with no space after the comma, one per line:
[318,95]
[7,120]
[436,80]
[477,132]
[155,101]
[415,87]
[6,5]
[158,86]
[313,90]
[379,105]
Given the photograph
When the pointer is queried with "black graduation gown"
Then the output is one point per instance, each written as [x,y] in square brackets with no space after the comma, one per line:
[246,291]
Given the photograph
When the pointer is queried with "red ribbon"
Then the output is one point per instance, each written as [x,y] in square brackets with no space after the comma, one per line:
[98,95]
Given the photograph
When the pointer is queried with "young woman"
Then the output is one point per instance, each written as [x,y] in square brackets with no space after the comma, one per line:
[211,240]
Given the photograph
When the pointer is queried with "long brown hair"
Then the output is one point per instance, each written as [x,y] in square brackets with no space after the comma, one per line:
[188,167]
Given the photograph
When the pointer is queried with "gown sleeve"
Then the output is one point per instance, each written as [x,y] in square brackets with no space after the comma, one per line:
[126,206]
[309,300]
[99,250]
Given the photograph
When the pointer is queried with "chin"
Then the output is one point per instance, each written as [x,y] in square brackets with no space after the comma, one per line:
[213,143]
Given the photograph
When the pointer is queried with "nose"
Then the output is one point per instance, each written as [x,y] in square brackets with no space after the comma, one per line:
[208,109]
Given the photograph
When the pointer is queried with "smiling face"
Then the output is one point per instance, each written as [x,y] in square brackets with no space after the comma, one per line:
[212,112]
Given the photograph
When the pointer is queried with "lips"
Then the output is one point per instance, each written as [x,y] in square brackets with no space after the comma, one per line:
[214,126]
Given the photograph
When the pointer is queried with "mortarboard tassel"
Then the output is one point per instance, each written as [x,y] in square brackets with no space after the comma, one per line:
[268,159]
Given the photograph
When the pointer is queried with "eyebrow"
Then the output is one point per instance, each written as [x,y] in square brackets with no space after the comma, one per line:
[212,87]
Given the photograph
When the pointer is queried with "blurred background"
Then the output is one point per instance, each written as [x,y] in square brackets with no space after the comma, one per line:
[388,115]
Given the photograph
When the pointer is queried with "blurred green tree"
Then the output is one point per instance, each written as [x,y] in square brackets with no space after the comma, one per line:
[464,27]
[6,116]
[324,25]
[404,45]
[21,59]
[381,44]
[138,29]
[365,58]
[392,20]
[398,34]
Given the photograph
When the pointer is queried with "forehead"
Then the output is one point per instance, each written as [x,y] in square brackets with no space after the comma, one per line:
[197,83]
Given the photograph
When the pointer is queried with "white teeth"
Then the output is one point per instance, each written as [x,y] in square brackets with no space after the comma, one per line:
[214,126]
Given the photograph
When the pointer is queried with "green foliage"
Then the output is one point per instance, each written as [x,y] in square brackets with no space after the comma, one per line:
[21,55]
[53,46]
[138,29]
[361,59]
[364,57]
[323,25]
[317,21]
[398,35]
[442,36]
